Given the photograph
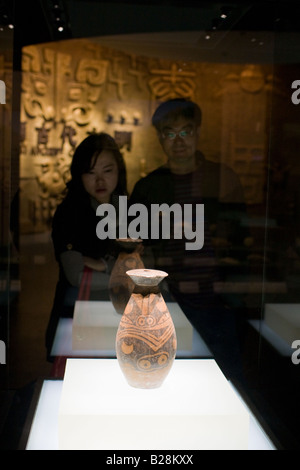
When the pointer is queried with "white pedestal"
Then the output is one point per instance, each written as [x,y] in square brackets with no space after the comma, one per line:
[195,408]
[95,326]
[284,319]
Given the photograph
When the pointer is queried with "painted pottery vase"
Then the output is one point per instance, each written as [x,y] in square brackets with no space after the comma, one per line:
[120,285]
[146,341]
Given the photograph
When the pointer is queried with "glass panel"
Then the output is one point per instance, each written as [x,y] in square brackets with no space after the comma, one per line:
[8,199]
[234,299]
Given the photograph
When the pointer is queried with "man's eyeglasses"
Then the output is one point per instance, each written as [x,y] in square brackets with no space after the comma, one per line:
[183,134]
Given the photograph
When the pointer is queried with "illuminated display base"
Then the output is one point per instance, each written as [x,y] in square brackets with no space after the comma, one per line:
[195,408]
[284,319]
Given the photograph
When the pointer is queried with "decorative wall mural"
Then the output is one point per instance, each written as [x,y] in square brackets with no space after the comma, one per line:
[171,83]
[245,108]
[75,87]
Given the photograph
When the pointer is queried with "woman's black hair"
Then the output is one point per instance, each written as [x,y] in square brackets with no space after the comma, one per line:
[85,157]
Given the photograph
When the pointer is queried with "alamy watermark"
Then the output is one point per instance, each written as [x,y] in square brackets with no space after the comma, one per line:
[296,354]
[133,222]
[2,352]
[296,94]
[2,92]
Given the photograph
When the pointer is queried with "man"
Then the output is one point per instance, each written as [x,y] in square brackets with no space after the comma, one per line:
[189,178]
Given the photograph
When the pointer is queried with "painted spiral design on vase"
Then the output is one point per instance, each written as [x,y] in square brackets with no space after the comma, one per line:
[146,338]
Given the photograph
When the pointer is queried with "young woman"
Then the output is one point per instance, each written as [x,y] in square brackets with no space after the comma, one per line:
[98,175]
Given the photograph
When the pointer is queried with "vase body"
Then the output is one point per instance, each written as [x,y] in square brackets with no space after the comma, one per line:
[146,339]
[120,285]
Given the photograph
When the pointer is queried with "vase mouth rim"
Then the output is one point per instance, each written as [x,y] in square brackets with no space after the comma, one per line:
[146,277]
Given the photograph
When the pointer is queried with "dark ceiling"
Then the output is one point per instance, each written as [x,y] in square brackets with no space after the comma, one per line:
[37,21]
[131,21]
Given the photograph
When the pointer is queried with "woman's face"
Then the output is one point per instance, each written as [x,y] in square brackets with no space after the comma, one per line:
[102,179]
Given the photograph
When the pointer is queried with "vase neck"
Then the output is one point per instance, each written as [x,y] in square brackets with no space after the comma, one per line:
[145,290]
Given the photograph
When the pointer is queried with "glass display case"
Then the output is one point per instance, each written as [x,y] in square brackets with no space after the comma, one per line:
[230,174]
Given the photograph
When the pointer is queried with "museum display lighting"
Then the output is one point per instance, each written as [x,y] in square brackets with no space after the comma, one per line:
[225,12]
